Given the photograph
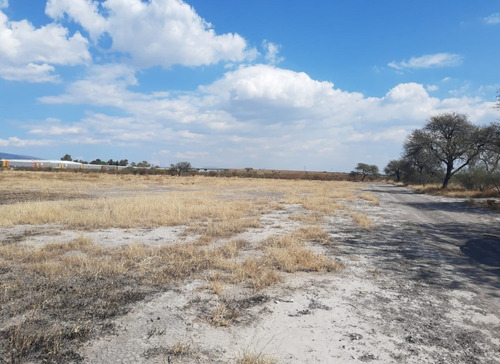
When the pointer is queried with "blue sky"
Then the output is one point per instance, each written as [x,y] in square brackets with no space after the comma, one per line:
[316,85]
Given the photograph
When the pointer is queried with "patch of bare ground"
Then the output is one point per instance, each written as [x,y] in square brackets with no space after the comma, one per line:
[229,270]
[71,268]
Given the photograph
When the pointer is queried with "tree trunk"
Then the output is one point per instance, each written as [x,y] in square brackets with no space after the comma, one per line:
[447,177]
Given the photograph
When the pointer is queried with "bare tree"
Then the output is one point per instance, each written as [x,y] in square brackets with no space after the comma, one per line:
[180,167]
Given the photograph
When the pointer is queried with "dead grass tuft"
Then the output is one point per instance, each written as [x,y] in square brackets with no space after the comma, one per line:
[287,253]
[217,286]
[222,315]
[251,358]
[314,234]
[257,273]
[178,350]
[453,190]
[361,220]
[310,218]
[369,197]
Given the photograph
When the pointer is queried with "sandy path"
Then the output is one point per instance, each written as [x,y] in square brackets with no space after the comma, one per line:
[421,286]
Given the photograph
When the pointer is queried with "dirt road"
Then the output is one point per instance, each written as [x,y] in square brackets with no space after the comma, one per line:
[436,278]
[421,286]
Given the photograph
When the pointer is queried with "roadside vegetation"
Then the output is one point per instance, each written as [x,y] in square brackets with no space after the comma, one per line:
[57,295]
[450,149]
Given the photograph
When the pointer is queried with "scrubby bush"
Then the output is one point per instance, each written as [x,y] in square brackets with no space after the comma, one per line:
[479,179]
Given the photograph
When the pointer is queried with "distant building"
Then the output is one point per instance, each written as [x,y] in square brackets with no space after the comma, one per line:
[208,170]
[45,163]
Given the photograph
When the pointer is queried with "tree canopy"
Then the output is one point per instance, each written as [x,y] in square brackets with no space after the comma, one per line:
[450,139]
[180,167]
[448,144]
[364,170]
[394,168]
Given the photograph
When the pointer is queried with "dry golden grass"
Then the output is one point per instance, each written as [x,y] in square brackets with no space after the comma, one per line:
[216,207]
[177,350]
[453,190]
[251,358]
[68,183]
[63,277]
[309,218]
[180,349]
[143,210]
[361,220]
[369,197]
[312,233]
[60,291]
[258,273]
[287,253]
[222,315]
[217,287]
[321,200]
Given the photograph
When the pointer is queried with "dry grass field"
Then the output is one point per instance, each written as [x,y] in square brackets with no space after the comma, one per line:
[453,190]
[56,294]
[486,199]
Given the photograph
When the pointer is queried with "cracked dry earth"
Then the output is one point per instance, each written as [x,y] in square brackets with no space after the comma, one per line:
[421,286]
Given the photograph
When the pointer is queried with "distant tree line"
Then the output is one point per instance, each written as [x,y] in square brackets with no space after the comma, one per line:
[111,162]
[175,169]
[450,146]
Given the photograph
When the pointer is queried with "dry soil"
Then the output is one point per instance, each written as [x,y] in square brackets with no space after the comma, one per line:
[422,285]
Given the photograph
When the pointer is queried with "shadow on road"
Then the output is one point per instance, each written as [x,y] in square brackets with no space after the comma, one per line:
[431,240]
[448,256]
[448,206]
[393,190]
[484,251]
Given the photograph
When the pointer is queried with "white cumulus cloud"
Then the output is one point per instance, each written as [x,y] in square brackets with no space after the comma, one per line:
[429,61]
[85,12]
[29,54]
[258,111]
[156,32]
[271,85]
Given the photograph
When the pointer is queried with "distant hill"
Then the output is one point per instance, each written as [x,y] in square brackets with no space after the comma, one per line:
[16,156]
